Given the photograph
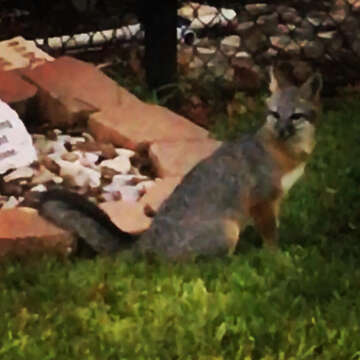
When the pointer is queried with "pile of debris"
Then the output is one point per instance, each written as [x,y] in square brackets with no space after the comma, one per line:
[100,171]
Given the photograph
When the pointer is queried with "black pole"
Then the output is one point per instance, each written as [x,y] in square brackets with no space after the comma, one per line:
[159,18]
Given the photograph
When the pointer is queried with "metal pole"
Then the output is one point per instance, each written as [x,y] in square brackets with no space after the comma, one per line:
[160,22]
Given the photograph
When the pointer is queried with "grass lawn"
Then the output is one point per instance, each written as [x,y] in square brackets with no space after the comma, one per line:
[302,302]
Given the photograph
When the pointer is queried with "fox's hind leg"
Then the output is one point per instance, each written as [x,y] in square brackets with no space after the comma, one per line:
[216,238]
[231,231]
[265,222]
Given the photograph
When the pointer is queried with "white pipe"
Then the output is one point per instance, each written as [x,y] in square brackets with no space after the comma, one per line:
[98,38]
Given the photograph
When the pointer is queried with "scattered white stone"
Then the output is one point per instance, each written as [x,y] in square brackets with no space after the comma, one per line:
[130,193]
[145,185]
[79,175]
[58,180]
[44,175]
[124,179]
[39,188]
[55,156]
[20,173]
[81,169]
[88,159]
[77,139]
[64,138]
[45,146]
[12,202]
[125,152]
[120,164]
[70,156]
[123,187]
[58,147]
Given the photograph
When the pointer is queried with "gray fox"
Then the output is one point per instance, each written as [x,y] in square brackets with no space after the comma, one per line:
[242,183]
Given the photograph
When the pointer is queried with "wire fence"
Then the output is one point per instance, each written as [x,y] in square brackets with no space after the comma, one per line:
[238,39]
[231,40]
[70,25]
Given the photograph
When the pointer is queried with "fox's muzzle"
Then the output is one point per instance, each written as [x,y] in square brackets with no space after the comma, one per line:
[285,129]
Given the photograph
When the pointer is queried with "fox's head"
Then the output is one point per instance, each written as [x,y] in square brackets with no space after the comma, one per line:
[292,111]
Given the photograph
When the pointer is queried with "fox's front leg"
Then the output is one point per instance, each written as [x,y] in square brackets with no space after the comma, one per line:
[265,222]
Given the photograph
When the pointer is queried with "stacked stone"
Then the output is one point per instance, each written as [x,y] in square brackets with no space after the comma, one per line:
[263,32]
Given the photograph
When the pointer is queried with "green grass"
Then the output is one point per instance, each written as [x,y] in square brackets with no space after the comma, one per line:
[302,302]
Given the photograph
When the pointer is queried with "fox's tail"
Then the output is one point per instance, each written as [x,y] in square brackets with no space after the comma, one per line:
[92,226]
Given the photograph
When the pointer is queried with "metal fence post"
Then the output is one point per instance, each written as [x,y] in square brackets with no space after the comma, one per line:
[160,21]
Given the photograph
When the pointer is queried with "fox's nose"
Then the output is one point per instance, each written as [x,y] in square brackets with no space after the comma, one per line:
[286,130]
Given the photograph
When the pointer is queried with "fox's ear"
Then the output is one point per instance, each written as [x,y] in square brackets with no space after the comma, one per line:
[278,79]
[311,89]
[273,84]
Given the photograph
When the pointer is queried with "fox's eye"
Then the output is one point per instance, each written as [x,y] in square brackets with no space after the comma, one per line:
[275,114]
[297,116]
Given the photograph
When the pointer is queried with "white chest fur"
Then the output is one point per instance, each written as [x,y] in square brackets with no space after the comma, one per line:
[289,179]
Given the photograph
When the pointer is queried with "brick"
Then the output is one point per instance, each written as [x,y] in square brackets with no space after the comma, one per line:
[157,194]
[177,158]
[18,53]
[127,216]
[70,90]
[15,91]
[131,125]
[23,230]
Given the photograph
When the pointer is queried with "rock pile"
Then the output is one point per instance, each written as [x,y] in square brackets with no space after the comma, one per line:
[100,171]
[262,32]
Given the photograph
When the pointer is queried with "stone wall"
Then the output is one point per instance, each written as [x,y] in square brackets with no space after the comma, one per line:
[324,34]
